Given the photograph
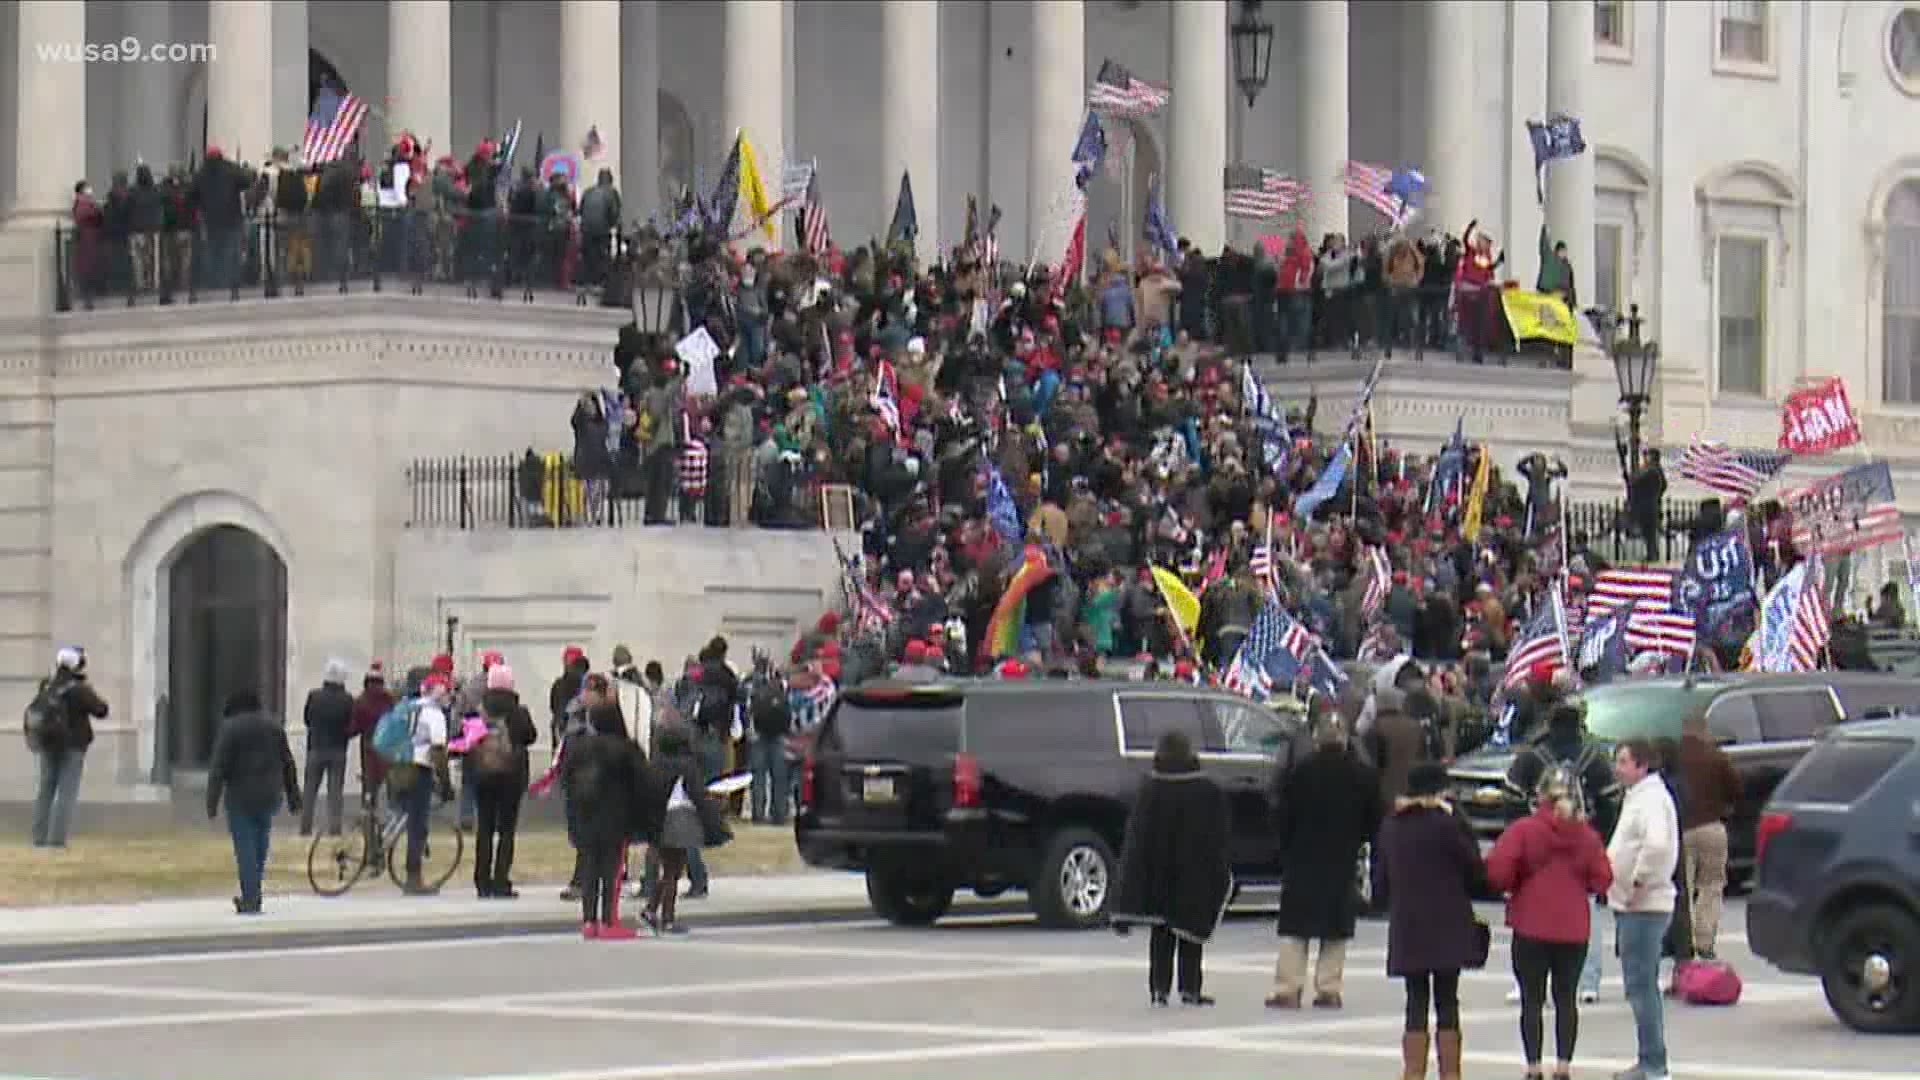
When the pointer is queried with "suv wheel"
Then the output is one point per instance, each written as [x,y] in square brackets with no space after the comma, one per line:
[1870,969]
[904,901]
[1076,881]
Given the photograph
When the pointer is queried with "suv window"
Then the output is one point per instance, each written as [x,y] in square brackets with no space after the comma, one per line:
[1039,723]
[906,730]
[1145,719]
[1858,697]
[1733,718]
[1244,729]
[1794,714]
[1842,770]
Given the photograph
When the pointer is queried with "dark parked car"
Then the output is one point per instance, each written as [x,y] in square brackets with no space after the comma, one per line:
[1838,889]
[1766,723]
[994,786]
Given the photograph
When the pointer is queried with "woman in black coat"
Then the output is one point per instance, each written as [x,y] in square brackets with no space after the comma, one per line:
[681,816]
[604,777]
[1428,869]
[1174,871]
[500,783]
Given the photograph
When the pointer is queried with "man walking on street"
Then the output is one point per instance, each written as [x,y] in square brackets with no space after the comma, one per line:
[1712,787]
[1644,852]
[329,718]
[252,766]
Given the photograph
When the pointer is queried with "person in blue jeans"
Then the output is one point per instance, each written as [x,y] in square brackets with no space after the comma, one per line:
[252,767]
[67,705]
[1644,851]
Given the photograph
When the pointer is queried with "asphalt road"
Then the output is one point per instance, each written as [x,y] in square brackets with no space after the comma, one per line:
[982,996]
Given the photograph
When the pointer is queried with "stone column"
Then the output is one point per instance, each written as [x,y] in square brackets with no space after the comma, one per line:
[1197,134]
[287,115]
[638,169]
[756,91]
[1449,162]
[590,80]
[910,112]
[1059,103]
[240,79]
[149,123]
[420,71]
[1569,181]
[1323,112]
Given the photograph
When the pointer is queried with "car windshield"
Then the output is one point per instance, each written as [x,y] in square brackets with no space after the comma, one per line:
[1628,711]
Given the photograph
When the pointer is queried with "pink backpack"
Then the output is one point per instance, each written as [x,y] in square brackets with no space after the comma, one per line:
[1707,982]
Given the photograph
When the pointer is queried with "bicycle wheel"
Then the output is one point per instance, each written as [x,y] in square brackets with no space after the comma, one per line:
[335,863]
[439,860]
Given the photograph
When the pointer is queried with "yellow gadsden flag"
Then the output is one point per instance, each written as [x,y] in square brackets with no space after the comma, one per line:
[1180,599]
[1477,496]
[754,190]
[1539,317]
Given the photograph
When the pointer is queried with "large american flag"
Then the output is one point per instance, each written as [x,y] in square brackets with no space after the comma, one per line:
[814,236]
[1812,623]
[332,126]
[1273,632]
[1655,623]
[1368,183]
[1542,640]
[1379,577]
[1116,91]
[1277,196]
[1260,563]
[1736,474]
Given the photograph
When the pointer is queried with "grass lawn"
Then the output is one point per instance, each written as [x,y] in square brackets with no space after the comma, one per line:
[187,861]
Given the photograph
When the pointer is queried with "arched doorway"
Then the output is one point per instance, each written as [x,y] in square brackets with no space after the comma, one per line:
[1117,196]
[676,149]
[226,631]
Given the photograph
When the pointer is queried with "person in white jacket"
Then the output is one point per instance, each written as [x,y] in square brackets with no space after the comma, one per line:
[1644,851]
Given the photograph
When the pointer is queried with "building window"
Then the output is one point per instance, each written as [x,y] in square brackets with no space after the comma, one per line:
[1608,242]
[1900,330]
[1903,50]
[1610,25]
[1743,31]
[1743,314]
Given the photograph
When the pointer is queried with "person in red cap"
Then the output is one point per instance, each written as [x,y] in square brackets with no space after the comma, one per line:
[916,667]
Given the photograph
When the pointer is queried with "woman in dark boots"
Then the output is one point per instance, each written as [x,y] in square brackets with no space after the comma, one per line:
[1174,872]
[498,766]
[603,774]
[689,820]
[1428,868]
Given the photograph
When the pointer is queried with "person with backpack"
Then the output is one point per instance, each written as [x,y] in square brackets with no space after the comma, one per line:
[1565,744]
[252,767]
[1550,864]
[604,773]
[412,739]
[59,727]
[497,768]
[771,720]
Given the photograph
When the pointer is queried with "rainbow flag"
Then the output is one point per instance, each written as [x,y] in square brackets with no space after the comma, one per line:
[1003,630]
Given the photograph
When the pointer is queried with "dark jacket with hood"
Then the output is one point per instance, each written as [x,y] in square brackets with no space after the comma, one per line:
[504,706]
[82,705]
[676,762]
[1427,870]
[1174,866]
[329,718]
[1329,808]
[608,783]
[252,765]
[1565,741]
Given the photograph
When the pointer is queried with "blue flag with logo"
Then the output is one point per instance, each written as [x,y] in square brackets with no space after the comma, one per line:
[1159,227]
[1327,486]
[1002,512]
[1603,647]
[1089,150]
[1557,139]
[1715,586]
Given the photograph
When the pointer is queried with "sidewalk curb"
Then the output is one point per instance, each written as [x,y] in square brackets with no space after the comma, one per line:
[188,942]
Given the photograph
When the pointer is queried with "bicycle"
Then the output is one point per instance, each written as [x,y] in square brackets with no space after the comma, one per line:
[337,861]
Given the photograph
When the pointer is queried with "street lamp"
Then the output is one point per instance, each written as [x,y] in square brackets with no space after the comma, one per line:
[1634,362]
[1252,50]
[656,288]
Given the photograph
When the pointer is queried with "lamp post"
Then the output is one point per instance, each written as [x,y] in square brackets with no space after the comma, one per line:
[656,289]
[1634,363]
[1252,50]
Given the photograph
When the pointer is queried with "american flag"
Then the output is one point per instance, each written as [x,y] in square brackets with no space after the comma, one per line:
[1542,640]
[1848,512]
[1812,623]
[1379,577]
[814,236]
[1260,563]
[1655,623]
[333,125]
[1799,602]
[1368,183]
[885,398]
[1736,474]
[1274,633]
[1116,91]
[1277,196]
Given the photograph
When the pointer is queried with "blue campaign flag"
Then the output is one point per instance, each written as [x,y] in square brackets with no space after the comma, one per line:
[1452,466]
[1159,226]
[1002,513]
[1089,150]
[1715,584]
[1327,486]
[1557,139]
[1324,675]
[1409,185]
[1603,647]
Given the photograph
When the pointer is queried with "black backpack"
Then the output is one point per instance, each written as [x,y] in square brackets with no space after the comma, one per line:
[1585,802]
[45,720]
[767,705]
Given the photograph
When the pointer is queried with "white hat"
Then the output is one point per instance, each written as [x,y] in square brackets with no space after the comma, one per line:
[70,658]
[917,346]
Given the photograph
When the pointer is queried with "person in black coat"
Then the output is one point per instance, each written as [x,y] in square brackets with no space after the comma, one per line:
[602,775]
[1428,869]
[680,817]
[251,766]
[1329,809]
[498,791]
[1174,869]
[329,719]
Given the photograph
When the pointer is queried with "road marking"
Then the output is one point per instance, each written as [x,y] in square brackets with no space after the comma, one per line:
[1717,1070]
[740,1066]
[811,1023]
[228,1016]
[779,982]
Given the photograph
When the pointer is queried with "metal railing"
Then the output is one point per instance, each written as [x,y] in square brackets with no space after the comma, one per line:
[287,254]
[543,491]
[1617,538]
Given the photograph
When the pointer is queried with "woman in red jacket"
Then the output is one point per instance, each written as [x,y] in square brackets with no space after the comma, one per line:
[1550,865]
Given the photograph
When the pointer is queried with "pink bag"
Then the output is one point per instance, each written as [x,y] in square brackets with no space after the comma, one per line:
[1706,982]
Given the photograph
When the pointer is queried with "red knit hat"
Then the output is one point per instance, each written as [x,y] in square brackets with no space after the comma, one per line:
[442,664]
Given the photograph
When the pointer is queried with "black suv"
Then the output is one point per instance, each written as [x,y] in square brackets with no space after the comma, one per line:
[1765,723]
[1838,890]
[1017,785]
